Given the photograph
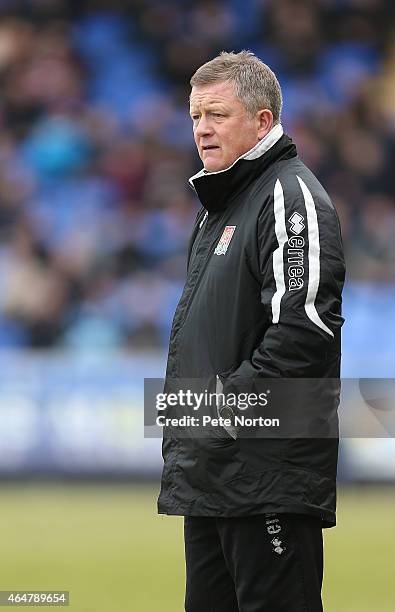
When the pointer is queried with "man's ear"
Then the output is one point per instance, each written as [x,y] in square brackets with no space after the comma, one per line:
[265,122]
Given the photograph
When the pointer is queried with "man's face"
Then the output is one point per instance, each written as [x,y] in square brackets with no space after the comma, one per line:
[221,126]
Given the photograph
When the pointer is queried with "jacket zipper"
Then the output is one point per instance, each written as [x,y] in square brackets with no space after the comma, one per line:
[199,236]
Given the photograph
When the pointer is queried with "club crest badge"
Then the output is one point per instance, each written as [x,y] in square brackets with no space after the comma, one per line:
[225,239]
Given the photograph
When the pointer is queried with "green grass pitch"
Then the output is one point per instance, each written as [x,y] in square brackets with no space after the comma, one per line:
[107,546]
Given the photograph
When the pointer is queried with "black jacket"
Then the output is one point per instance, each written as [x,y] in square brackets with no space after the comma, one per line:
[262,300]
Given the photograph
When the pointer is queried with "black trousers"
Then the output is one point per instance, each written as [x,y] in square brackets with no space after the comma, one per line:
[265,563]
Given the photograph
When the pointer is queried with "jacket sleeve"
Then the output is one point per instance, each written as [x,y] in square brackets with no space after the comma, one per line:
[299,258]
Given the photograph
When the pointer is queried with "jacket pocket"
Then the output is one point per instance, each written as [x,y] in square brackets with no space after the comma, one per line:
[224,375]
[224,412]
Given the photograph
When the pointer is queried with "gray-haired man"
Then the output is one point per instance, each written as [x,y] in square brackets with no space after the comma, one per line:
[261,301]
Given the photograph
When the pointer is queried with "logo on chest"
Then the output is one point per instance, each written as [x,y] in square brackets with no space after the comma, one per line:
[225,239]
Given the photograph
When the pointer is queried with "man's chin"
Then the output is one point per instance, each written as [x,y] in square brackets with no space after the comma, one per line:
[212,166]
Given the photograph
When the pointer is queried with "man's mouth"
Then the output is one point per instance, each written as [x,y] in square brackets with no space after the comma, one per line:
[209,147]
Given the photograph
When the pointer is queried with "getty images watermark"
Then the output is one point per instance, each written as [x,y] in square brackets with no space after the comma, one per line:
[266,408]
[229,409]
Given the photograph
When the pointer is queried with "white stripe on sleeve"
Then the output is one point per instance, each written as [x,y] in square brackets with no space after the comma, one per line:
[278,254]
[314,258]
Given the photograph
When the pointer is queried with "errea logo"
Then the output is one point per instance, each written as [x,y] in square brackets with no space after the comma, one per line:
[225,239]
[297,225]
[277,546]
[295,260]
[295,253]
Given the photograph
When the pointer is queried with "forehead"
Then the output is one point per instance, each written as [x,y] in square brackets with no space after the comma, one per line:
[214,93]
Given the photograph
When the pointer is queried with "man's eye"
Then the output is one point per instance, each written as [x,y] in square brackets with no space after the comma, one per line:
[217,115]
[195,117]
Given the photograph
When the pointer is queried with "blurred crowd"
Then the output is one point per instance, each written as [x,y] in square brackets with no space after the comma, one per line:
[96,149]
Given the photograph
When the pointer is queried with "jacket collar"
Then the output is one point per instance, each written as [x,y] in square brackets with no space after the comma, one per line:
[215,189]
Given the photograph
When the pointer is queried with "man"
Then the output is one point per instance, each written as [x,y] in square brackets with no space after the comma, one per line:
[262,301]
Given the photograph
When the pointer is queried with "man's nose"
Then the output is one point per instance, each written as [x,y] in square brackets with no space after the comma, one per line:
[203,128]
